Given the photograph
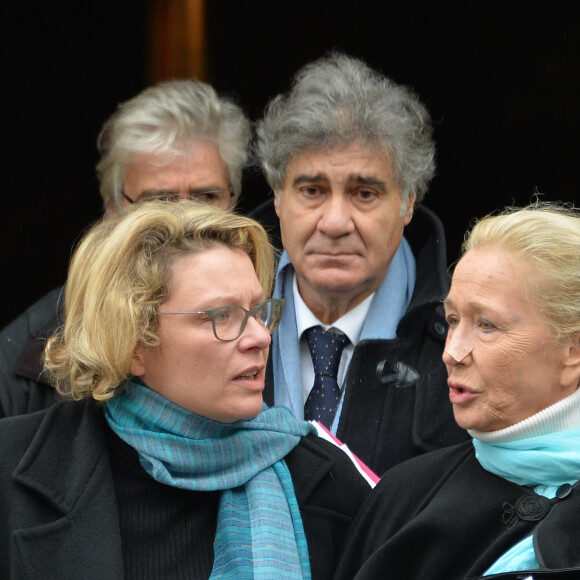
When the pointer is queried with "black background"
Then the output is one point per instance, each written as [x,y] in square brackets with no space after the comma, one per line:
[501,79]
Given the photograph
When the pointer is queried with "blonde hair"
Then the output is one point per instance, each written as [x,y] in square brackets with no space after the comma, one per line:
[119,275]
[546,236]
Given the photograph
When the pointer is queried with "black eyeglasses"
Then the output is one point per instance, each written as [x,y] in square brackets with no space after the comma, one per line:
[217,197]
[229,321]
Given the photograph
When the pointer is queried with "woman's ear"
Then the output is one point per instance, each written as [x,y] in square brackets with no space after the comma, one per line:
[138,361]
[571,371]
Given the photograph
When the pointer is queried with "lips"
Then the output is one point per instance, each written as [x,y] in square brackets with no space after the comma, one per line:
[333,253]
[460,394]
[252,378]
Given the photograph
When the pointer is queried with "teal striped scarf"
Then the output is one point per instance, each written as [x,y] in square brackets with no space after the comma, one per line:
[259,530]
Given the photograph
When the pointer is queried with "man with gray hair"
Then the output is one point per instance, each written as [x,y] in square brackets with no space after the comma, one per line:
[177,140]
[349,155]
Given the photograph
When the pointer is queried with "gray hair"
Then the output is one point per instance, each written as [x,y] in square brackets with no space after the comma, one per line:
[338,100]
[164,119]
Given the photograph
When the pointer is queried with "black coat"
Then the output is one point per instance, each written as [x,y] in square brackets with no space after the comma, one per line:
[397,399]
[23,386]
[58,511]
[441,516]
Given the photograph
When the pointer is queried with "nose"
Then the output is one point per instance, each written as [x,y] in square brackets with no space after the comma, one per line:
[255,335]
[336,219]
[457,347]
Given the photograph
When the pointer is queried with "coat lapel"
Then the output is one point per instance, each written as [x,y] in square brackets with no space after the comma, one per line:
[309,464]
[66,470]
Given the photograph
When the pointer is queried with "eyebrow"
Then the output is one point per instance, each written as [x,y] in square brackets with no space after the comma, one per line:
[448,302]
[304,178]
[352,179]
[228,300]
[475,306]
[208,188]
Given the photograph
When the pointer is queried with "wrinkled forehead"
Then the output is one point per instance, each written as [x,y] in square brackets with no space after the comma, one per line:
[353,162]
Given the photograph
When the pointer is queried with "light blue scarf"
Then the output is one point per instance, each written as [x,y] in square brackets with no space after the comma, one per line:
[243,459]
[388,307]
[545,462]
[552,459]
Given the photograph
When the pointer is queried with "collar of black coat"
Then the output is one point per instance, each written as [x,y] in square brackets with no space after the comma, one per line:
[30,364]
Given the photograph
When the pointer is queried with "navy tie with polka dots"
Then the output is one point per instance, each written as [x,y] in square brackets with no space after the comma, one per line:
[326,349]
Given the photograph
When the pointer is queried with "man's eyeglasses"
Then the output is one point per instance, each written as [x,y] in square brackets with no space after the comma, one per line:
[230,321]
[218,197]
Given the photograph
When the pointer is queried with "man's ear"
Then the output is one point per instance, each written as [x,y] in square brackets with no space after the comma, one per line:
[138,365]
[570,376]
[277,202]
[410,208]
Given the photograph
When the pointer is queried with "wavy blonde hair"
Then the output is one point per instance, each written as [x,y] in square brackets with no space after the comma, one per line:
[545,235]
[119,275]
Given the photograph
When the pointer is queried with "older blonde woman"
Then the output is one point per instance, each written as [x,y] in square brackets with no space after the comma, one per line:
[168,464]
[507,504]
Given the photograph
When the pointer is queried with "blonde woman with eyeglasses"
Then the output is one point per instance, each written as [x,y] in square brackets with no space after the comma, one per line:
[167,463]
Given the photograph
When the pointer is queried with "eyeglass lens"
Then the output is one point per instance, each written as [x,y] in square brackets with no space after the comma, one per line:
[214,197]
[230,321]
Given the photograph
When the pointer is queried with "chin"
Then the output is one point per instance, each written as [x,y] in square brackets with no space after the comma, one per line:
[247,413]
[466,423]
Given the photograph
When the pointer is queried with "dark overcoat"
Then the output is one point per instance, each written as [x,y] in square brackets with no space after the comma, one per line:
[58,511]
[441,516]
